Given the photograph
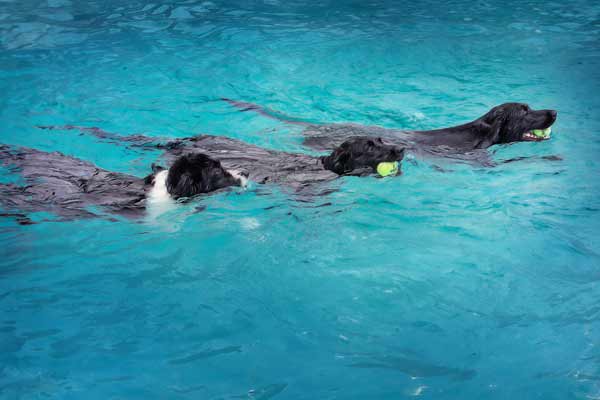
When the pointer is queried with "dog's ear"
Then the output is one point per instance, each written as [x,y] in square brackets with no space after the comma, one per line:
[493,129]
[337,162]
[185,186]
[496,130]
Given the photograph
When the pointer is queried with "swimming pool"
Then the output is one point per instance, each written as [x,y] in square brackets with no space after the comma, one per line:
[452,281]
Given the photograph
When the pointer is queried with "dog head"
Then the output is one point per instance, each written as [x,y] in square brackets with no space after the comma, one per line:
[361,155]
[194,174]
[514,122]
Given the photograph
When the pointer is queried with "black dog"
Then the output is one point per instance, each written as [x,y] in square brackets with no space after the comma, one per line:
[71,188]
[194,174]
[506,123]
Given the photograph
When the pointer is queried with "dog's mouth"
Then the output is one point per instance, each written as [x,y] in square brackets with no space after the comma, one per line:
[391,167]
[537,135]
[388,168]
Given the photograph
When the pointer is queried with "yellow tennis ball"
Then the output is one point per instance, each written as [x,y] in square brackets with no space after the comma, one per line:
[387,168]
[542,133]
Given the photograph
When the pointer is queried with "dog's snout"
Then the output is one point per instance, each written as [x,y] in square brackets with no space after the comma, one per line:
[551,116]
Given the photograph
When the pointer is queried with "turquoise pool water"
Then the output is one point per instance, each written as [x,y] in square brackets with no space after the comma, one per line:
[450,282]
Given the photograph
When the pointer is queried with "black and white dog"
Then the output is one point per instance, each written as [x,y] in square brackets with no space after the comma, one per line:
[72,188]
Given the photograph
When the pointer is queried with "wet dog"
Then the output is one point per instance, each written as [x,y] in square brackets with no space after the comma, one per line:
[506,123]
[73,188]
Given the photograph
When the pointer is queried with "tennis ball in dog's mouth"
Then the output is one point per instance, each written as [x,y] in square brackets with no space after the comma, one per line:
[387,168]
[542,133]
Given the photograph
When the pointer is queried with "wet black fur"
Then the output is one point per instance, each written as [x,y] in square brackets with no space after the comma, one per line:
[505,123]
[193,174]
[72,188]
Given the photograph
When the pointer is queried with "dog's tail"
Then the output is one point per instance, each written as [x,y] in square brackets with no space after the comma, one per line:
[135,140]
[245,106]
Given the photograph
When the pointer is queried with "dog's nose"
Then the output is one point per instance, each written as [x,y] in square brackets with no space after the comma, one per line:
[553,113]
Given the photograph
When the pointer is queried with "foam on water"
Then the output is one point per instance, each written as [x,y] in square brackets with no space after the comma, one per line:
[450,281]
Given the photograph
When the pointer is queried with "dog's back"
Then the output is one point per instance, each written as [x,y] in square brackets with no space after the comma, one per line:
[66,185]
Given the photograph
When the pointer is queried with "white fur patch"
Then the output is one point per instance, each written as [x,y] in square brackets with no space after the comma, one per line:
[159,200]
[159,192]
[237,175]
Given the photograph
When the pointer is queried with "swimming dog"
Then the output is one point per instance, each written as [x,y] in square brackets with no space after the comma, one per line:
[72,188]
[506,123]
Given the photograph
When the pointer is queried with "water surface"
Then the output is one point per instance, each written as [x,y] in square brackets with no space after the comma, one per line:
[452,281]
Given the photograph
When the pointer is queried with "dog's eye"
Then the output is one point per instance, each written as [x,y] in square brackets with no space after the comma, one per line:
[525,108]
[371,143]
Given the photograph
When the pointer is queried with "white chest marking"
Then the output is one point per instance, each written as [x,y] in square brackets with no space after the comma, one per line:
[159,201]
[158,193]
